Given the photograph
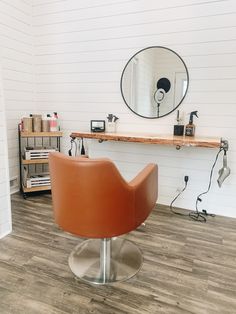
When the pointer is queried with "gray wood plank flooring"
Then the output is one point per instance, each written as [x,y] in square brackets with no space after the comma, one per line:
[189,267]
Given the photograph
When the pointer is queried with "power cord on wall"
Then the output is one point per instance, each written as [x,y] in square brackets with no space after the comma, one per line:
[201,216]
[196,215]
[171,204]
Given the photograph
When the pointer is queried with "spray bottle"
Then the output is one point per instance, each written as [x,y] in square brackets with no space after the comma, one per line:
[190,127]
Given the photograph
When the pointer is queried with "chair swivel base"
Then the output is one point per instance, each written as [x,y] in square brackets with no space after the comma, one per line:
[105,261]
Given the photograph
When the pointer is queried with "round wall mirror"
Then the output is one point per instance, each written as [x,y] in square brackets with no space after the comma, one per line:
[154,82]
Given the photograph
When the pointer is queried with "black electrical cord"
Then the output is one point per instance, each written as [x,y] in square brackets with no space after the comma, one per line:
[201,216]
[82,151]
[71,147]
[171,204]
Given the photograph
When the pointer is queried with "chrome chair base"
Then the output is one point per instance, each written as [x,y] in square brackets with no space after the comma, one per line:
[105,261]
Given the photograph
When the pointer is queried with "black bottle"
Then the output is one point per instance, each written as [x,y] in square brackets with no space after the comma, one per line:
[190,127]
[178,128]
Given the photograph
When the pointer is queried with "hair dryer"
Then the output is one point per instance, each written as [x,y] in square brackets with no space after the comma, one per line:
[224,172]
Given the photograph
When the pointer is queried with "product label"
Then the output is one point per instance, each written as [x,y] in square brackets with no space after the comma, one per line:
[188,131]
[53,125]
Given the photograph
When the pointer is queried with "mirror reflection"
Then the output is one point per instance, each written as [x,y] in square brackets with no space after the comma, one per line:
[154,82]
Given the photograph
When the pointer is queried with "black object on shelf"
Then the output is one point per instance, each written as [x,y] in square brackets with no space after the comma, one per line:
[82,152]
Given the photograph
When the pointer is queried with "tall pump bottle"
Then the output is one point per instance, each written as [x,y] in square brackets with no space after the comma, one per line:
[190,127]
[58,122]
[46,123]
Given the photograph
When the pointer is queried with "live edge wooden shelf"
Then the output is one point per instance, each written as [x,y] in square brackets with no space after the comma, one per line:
[148,138]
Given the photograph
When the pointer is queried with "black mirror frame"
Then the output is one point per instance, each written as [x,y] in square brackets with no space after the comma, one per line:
[122,94]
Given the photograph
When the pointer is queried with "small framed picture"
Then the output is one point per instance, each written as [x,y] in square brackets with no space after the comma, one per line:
[97,125]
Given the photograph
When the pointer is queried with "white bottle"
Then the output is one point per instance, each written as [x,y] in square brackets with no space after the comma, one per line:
[56,116]
[46,123]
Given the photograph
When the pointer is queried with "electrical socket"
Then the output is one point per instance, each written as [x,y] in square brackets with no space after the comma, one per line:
[186,179]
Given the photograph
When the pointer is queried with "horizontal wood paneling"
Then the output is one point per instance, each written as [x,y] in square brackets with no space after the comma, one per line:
[80,51]
[17,69]
[154,11]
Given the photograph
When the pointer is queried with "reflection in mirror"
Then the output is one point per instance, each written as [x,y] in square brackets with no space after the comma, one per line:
[154,82]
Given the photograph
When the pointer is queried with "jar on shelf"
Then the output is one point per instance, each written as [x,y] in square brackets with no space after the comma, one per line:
[37,121]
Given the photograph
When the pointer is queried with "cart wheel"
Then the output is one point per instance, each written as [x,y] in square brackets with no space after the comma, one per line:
[25,196]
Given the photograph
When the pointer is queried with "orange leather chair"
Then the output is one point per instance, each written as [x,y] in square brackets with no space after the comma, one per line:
[92,200]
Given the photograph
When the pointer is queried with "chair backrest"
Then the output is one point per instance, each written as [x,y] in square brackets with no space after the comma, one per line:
[90,197]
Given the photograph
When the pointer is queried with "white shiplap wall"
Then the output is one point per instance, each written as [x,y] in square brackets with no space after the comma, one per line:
[81,48]
[5,207]
[17,69]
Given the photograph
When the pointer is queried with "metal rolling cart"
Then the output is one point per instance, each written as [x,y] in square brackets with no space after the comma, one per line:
[34,148]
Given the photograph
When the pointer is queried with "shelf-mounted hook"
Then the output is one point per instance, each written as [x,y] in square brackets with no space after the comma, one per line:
[224,144]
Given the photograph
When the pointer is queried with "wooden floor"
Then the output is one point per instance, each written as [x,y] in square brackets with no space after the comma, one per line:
[189,267]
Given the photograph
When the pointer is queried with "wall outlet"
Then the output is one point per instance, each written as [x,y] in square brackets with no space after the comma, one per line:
[186,178]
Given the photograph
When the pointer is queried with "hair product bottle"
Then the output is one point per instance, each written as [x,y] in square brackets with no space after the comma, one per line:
[46,123]
[190,127]
[178,128]
[54,123]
